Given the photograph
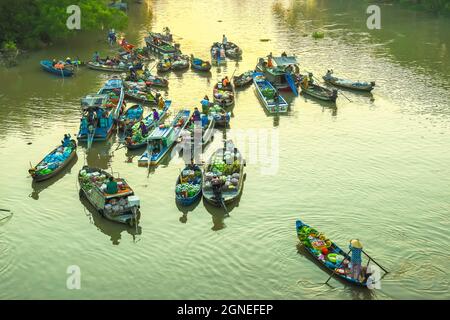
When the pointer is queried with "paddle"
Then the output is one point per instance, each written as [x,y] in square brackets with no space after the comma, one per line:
[334,271]
[370,258]
[5,210]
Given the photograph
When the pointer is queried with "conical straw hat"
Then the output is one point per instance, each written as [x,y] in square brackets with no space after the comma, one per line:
[356,244]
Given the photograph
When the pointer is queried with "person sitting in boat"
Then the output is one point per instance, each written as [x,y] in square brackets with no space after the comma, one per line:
[329,74]
[96,57]
[284,54]
[66,141]
[222,52]
[310,78]
[68,61]
[225,82]
[54,62]
[224,40]
[111,186]
[155,115]
[305,82]
[196,115]
[133,74]
[356,251]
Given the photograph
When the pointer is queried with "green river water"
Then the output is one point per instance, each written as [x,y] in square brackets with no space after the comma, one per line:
[376,168]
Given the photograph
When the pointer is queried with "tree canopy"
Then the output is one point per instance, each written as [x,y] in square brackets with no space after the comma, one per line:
[30,22]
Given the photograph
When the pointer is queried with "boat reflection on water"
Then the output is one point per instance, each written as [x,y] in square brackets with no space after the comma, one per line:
[38,187]
[110,228]
[186,209]
[218,214]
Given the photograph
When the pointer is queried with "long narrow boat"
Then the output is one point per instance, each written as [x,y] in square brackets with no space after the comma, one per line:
[220,115]
[149,80]
[130,117]
[223,96]
[180,63]
[122,207]
[233,51]
[223,176]
[161,44]
[243,79]
[136,140]
[106,68]
[188,188]
[47,65]
[272,101]
[319,92]
[144,96]
[163,138]
[201,132]
[336,260]
[348,84]
[283,74]
[100,112]
[200,65]
[54,162]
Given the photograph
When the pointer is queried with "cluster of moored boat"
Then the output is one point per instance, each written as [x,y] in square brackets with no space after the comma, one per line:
[220,180]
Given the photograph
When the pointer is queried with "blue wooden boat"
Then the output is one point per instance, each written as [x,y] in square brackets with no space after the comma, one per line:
[188,188]
[136,141]
[54,162]
[163,138]
[336,260]
[348,84]
[130,117]
[47,65]
[268,94]
[101,111]
[199,64]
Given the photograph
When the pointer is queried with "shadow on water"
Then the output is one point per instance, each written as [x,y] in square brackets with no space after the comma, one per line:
[38,187]
[358,293]
[325,105]
[100,155]
[112,229]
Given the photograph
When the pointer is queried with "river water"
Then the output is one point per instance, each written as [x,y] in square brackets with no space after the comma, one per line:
[376,168]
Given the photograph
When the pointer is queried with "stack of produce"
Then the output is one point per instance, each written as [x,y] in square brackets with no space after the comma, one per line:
[190,183]
[52,161]
[116,206]
[268,93]
[225,168]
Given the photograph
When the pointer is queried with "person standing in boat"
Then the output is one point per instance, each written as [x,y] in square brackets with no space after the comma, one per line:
[284,54]
[269,61]
[155,115]
[224,40]
[161,102]
[222,52]
[143,127]
[356,251]
[205,104]
[96,57]
[196,116]
[66,141]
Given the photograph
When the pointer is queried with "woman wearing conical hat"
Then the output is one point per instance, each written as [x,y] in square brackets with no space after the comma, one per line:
[356,251]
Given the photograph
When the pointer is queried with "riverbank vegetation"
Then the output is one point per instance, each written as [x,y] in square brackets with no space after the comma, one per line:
[31,24]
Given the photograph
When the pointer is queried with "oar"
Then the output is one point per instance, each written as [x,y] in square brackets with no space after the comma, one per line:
[340,92]
[5,210]
[334,271]
[375,262]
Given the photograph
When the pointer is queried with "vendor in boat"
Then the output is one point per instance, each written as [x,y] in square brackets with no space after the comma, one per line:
[111,186]
[68,61]
[66,141]
[269,61]
[143,128]
[222,52]
[196,115]
[356,251]
[284,54]
[96,57]
[133,74]
[329,74]
[155,115]
[305,82]
[161,102]
[224,40]
[225,82]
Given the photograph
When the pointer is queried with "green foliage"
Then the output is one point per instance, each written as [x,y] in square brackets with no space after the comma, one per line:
[28,22]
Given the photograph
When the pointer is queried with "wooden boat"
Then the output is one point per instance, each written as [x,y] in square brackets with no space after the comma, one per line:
[243,79]
[130,117]
[180,63]
[163,138]
[203,129]
[161,43]
[155,81]
[283,74]
[163,66]
[122,207]
[143,96]
[47,65]
[106,68]
[50,166]
[136,140]
[314,241]
[101,111]
[223,96]
[226,162]
[319,92]
[199,64]
[348,84]
[221,117]
[268,95]
[233,51]
[188,188]
[215,57]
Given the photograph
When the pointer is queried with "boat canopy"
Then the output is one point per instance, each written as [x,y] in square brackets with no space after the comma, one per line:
[94,101]
[113,84]
[160,133]
[285,61]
